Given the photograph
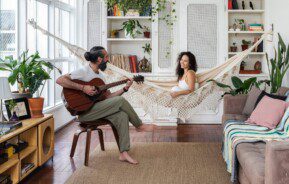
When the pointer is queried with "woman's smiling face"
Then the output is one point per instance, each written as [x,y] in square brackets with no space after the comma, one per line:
[184,62]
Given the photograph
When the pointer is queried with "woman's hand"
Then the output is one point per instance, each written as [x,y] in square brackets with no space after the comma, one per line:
[174,94]
[129,83]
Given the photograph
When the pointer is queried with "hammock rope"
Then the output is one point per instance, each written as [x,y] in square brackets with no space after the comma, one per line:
[154,96]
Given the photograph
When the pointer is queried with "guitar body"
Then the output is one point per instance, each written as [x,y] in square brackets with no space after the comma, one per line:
[77,102]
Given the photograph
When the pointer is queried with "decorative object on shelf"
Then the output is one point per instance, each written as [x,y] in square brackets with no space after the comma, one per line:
[146,9]
[258,66]
[230,4]
[116,10]
[9,126]
[234,48]
[144,64]
[132,13]
[255,27]
[231,28]
[241,24]
[5,93]
[130,28]
[251,5]
[235,4]
[240,87]
[245,44]
[146,32]
[114,33]
[242,66]
[110,7]
[20,107]
[250,72]
[11,106]
[279,65]
[243,5]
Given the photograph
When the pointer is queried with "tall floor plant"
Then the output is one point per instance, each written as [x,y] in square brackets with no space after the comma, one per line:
[278,65]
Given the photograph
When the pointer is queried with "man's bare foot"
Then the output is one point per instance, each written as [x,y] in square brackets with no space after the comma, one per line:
[125,157]
[146,128]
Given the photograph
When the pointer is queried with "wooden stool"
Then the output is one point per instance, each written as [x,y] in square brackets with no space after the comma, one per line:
[88,127]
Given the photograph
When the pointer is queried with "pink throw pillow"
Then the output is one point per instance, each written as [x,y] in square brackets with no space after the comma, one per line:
[268,112]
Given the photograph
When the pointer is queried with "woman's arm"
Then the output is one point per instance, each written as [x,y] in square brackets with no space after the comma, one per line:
[191,83]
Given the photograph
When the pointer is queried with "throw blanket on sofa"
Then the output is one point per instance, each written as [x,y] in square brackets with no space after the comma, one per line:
[236,132]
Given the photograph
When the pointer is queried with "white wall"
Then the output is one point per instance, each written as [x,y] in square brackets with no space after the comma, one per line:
[277,13]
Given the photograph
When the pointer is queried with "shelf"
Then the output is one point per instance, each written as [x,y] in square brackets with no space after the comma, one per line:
[253,75]
[128,17]
[27,151]
[246,32]
[10,163]
[129,40]
[246,11]
[252,53]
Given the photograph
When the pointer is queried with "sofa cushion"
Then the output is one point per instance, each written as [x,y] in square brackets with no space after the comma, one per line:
[251,157]
[268,113]
[279,97]
[251,100]
[238,117]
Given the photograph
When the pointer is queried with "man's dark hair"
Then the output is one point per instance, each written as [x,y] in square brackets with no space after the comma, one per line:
[94,53]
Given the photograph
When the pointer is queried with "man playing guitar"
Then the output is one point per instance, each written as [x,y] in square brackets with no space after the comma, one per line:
[115,108]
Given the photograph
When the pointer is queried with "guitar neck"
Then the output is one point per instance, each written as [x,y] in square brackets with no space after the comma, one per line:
[107,86]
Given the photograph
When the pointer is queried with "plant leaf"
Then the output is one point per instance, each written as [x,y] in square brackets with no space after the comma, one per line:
[237,82]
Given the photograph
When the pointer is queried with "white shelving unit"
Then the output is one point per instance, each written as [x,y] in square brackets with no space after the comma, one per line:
[251,17]
[130,39]
[129,17]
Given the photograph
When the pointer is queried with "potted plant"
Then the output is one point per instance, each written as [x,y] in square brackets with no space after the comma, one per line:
[279,65]
[234,48]
[245,44]
[110,4]
[30,72]
[146,32]
[114,33]
[144,64]
[130,28]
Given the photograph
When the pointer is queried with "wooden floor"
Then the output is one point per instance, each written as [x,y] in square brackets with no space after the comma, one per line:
[62,166]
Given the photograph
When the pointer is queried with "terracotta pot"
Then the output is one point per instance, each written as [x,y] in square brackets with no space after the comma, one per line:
[245,47]
[147,34]
[36,107]
[234,49]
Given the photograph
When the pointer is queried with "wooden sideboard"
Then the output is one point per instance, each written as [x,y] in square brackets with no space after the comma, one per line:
[39,133]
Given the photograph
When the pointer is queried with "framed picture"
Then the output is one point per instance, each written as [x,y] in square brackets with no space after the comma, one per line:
[20,106]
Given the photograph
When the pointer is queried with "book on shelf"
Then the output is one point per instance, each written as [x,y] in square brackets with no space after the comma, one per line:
[9,126]
[128,63]
[26,167]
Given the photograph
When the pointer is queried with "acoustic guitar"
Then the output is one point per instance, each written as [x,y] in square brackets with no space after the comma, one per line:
[78,102]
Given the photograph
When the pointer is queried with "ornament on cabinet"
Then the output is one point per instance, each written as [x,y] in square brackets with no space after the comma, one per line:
[251,5]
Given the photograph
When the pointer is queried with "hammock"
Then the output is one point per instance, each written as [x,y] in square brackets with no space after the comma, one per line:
[154,96]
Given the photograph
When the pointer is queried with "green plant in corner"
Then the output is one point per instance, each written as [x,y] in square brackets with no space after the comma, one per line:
[29,71]
[278,66]
[131,27]
[240,87]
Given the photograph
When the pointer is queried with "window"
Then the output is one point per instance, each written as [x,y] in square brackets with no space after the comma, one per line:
[8,28]
[56,16]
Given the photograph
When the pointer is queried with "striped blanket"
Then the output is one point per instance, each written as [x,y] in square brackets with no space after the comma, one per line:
[236,132]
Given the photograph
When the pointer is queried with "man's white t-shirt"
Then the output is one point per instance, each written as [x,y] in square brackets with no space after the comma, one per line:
[85,74]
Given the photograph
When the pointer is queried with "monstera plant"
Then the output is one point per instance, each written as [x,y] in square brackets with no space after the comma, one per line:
[240,87]
[278,66]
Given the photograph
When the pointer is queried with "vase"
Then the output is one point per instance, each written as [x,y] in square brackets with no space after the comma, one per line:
[234,49]
[245,47]
[128,35]
[36,107]
[147,34]
[14,117]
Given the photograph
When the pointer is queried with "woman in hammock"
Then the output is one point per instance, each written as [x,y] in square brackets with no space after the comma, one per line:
[186,72]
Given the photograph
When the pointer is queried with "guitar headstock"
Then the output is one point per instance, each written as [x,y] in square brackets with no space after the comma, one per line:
[138,78]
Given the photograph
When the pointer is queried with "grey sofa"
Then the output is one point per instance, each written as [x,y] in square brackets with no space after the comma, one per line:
[259,163]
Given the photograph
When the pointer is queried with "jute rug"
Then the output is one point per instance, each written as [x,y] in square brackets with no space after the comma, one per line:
[160,163]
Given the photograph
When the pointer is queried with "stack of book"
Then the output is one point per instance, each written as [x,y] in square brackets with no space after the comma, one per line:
[6,127]
[26,167]
[255,27]
[5,179]
[128,63]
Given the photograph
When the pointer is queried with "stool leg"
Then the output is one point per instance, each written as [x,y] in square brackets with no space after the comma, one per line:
[115,135]
[100,134]
[74,142]
[88,138]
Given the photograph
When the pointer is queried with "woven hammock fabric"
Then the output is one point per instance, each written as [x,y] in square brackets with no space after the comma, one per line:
[154,96]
